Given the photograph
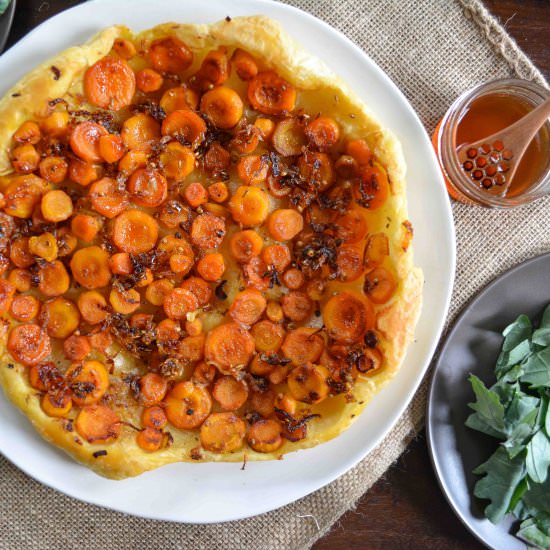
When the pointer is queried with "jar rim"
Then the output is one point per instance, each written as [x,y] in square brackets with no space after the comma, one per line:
[447,149]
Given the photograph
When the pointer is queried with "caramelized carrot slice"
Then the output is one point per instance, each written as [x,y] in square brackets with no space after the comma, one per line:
[121,263]
[21,279]
[89,381]
[349,260]
[148,80]
[179,99]
[245,66]
[231,394]
[77,347]
[268,336]
[204,374]
[323,132]
[98,424]
[90,267]
[25,158]
[207,231]
[228,347]
[56,206]
[359,150]
[85,141]
[134,159]
[45,377]
[214,69]
[253,169]
[85,227]
[199,288]
[135,232]
[56,124]
[248,306]
[289,138]
[217,160]
[158,290]
[284,224]
[111,148]
[174,214]
[44,246]
[22,194]
[187,125]
[124,301]
[352,226]
[110,83]
[57,403]
[262,402]
[194,327]
[170,55]
[293,278]
[244,245]
[152,388]
[256,274]
[191,348]
[296,305]
[179,302]
[218,192]
[29,344]
[7,291]
[308,383]
[223,106]
[223,432]
[377,249]
[317,169]
[28,132]
[277,256]
[53,169]
[20,254]
[270,94]
[124,48]
[60,317]
[53,279]
[150,439]
[379,285]
[154,417]
[82,172]
[177,161]
[303,345]
[211,267]
[108,198]
[373,187]
[187,405]
[195,194]
[249,205]
[347,318]
[148,187]
[265,436]
[139,131]
[24,308]
[93,307]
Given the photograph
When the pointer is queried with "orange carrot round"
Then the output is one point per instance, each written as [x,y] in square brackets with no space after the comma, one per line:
[111,148]
[296,305]
[200,288]
[148,80]
[187,125]
[379,285]
[57,403]
[56,206]
[152,388]
[347,318]
[249,205]
[248,306]
[60,317]
[268,336]
[187,405]
[229,346]
[195,194]
[124,48]
[293,278]
[124,301]
[90,267]
[308,383]
[140,131]
[24,308]
[29,344]
[85,227]
[211,267]
[150,439]
[349,260]
[179,302]
[303,345]
[25,158]
[223,432]
[98,424]
[107,197]
[223,106]
[177,161]
[77,347]
[85,141]
[207,231]
[284,224]
[53,279]
[179,99]
[82,172]
[53,169]
[271,94]
[93,307]
[89,381]
[323,132]
[148,187]
[245,66]
[135,232]
[154,417]
[265,436]
[169,55]
[231,394]
[277,256]
[252,169]
[244,245]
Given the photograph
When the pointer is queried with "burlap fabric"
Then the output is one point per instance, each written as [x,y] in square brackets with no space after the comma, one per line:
[426,46]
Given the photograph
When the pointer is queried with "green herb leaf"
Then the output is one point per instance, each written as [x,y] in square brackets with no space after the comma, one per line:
[538,457]
[537,369]
[489,415]
[530,532]
[503,475]
[538,497]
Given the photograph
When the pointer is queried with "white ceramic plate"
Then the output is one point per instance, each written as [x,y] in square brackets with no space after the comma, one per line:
[205,493]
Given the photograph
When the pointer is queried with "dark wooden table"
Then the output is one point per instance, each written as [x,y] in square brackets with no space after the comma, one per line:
[405,508]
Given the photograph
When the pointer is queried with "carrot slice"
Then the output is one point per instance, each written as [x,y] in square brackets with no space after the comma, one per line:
[85,141]
[265,126]
[377,249]
[194,327]
[25,158]
[211,267]
[148,80]
[179,99]
[245,66]
[148,187]
[264,436]
[107,197]
[82,172]
[229,347]
[158,290]
[150,439]
[214,70]
[347,318]
[21,279]
[24,308]
[124,48]
[22,194]
[223,106]
[191,348]
[349,260]
[56,206]
[77,347]
[217,160]
[271,94]
[207,231]
[28,132]
[179,302]
[111,148]
[308,383]
[255,273]
[277,256]
[56,124]
[231,394]
[360,151]
[253,169]
[60,317]
[29,344]
[223,432]
[57,403]
[89,381]
[19,253]
[53,169]
[218,192]
[139,131]
[248,306]
[351,227]
[7,291]
[204,373]
[379,285]
[177,161]
[186,125]
[323,132]
[44,246]
[284,224]
[154,417]
[317,169]
[152,388]
[199,288]
[170,55]
[303,345]
[124,301]
[289,138]
[373,187]
[195,194]
[174,214]
[249,205]
[268,336]
[85,227]
[293,278]
[187,405]
[244,245]
[98,424]
[135,232]
[110,83]
[134,159]
[53,279]
[90,267]
[296,305]
[45,377]
[93,307]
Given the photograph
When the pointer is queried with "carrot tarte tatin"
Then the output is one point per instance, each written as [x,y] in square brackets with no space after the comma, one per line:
[205,250]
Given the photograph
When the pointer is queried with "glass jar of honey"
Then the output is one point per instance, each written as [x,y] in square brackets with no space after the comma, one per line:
[479,113]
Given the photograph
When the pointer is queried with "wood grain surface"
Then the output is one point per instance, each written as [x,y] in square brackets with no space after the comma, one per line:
[405,509]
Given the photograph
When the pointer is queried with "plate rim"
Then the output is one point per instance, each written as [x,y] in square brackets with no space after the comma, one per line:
[435,335]
[446,487]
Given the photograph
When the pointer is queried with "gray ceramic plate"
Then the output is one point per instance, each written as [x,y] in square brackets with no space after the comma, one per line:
[472,346]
